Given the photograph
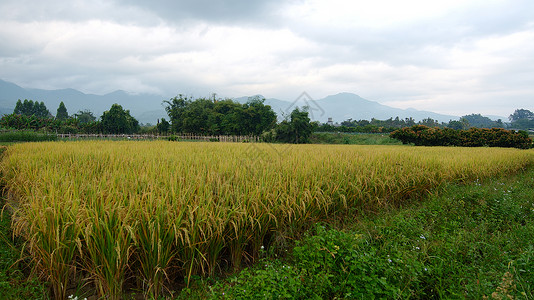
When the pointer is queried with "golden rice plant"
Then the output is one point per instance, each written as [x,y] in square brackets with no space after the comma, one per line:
[154,243]
[107,248]
[164,211]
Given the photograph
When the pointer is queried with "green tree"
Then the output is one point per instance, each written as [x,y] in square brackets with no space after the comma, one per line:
[523,124]
[226,117]
[175,108]
[520,114]
[479,121]
[85,116]
[429,122]
[257,117]
[31,108]
[195,119]
[522,119]
[24,108]
[27,108]
[42,111]
[18,108]
[61,113]
[118,121]
[297,129]
[461,124]
[163,126]
[455,125]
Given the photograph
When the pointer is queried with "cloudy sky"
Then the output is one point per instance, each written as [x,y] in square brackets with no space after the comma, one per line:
[449,56]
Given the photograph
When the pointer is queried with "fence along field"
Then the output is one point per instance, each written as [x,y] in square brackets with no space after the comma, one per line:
[156,213]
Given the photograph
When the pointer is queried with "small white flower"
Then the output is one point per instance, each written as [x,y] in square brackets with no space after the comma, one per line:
[422,237]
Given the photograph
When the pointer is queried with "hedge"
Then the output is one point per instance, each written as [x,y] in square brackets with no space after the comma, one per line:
[421,135]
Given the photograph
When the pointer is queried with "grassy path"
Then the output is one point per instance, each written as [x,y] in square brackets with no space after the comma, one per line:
[14,281]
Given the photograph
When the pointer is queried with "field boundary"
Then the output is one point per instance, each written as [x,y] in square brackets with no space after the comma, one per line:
[220,138]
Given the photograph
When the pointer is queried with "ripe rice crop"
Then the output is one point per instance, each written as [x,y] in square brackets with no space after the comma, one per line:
[161,212]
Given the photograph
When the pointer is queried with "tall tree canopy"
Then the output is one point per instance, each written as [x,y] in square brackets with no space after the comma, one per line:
[29,108]
[522,119]
[61,113]
[479,121]
[224,117]
[520,114]
[297,129]
[116,120]
[163,126]
[85,116]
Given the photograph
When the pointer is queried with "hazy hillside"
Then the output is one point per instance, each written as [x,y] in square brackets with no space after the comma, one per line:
[343,106]
[146,108]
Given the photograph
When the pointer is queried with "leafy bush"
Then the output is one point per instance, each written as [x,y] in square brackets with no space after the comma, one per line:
[272,280]
[421,135]
[328,264]
[339,264]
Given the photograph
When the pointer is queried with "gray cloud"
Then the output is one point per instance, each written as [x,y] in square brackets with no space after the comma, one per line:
[468,56]
[233,12]
[405,43]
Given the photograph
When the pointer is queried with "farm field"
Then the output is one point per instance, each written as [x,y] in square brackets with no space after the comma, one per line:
[150,215]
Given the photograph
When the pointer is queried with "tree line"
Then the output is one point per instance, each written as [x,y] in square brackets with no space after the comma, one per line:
[206,116]
[201,116]
[30,115]
[521,119]
[212,116]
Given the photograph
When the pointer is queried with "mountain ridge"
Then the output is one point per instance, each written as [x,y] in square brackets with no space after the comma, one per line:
[343,106]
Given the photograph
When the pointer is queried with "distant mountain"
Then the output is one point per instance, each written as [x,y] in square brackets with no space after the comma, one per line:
[148,108]
[9,93]
[344,106]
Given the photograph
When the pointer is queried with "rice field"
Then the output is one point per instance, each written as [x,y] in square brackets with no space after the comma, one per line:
[151,214]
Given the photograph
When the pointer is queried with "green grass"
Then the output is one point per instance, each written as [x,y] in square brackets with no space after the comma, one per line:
[353,138]
[465,242]
[26,136]
[15,280]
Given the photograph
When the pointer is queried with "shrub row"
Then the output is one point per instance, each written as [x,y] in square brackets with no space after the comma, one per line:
[421,135]
[26,136]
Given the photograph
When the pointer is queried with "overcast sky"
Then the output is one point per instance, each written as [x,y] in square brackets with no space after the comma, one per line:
[449,56]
